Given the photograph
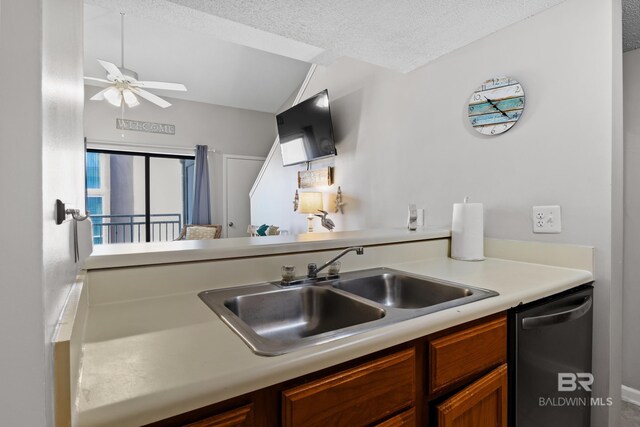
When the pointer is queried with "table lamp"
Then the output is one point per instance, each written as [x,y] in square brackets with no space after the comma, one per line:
[310,203]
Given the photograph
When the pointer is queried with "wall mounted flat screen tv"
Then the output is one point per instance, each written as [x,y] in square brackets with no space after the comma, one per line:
[306,131]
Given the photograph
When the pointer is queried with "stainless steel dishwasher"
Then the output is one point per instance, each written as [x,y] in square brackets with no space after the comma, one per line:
[550,360]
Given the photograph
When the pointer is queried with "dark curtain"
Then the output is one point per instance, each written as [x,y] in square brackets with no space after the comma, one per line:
[201,212]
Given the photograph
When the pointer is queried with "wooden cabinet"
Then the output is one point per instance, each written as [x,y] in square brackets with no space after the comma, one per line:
[240,417]
[354,397]
[432,380]
[481,404]
[456,357]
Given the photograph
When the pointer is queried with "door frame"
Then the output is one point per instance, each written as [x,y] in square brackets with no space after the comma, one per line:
[225,203]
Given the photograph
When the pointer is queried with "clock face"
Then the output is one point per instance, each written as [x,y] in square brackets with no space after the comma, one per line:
[496,106]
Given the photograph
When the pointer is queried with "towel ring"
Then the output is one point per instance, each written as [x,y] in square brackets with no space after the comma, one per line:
[62,211]
[75,214]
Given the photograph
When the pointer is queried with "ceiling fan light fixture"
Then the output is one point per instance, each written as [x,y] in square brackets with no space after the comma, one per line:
[125,83]
[113,96]
[129,98]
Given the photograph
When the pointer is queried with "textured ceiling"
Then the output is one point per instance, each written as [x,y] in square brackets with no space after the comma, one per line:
[400,35]
[631,24]
[397,35]
[214,70]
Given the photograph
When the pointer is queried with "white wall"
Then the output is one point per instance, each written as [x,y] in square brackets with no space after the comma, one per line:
[41,137]
[631,320]
[227,130]
[22,368]
[62,155]
[406,139]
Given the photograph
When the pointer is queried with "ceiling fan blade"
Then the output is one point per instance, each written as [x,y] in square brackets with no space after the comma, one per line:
[99,96]
[130,98]
[112,69]
[114,96]
[151,97]
[95,79]
[162,85]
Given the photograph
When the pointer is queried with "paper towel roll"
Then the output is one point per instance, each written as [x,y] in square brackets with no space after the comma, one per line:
[467,232]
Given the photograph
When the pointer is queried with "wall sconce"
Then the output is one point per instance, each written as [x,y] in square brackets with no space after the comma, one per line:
[310,203]
[339,203]
[296,201]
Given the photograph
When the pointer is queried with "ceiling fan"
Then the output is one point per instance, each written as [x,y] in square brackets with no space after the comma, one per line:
[124,84]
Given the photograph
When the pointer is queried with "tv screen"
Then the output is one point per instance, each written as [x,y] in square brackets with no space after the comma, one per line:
[305,131]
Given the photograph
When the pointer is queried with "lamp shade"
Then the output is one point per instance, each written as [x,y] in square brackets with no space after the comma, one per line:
[114,96]
[310,203]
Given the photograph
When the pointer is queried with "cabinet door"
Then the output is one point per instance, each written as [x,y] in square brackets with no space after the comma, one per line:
[240,417]
[354,397]
[481,404]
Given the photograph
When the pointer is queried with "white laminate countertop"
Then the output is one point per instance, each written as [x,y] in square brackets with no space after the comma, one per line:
[133,254]
[160,357]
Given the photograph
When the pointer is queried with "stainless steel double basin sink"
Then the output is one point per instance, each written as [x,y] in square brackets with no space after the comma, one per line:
[273,319]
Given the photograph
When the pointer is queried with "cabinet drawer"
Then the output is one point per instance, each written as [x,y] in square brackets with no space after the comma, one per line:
[463,354]
[240,417]
[403,419]
[354,397]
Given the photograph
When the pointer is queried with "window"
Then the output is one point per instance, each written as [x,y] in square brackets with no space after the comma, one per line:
[94,205]
[93,170]
[138,197]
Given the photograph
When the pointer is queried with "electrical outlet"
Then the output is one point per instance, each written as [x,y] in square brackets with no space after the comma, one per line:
[547,219]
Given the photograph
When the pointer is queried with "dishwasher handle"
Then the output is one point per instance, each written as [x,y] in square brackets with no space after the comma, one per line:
[556,318]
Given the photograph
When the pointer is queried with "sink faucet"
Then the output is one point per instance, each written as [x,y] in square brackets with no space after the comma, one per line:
[313,269]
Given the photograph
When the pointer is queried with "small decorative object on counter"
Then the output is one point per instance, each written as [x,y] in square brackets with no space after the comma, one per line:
[296,200]
[288,273]
[334,268]
[467,231]
[412,222]
[326,221]
[339,202]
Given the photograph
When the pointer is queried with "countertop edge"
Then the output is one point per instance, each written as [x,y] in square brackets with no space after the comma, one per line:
[130,255]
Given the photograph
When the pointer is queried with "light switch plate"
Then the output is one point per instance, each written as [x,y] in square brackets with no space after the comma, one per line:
[546,219]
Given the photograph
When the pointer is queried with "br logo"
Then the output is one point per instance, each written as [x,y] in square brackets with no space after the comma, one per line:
[568,381]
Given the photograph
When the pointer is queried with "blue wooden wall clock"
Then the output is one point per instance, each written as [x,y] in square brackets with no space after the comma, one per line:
[496,106]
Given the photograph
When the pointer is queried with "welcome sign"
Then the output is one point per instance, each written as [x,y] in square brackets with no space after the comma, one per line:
[149,127]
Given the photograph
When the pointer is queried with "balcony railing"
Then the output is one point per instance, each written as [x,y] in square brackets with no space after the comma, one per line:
[131,228]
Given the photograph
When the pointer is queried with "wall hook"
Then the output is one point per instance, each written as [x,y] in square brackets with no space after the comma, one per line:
[62,211]
[61,215]
[75,214]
